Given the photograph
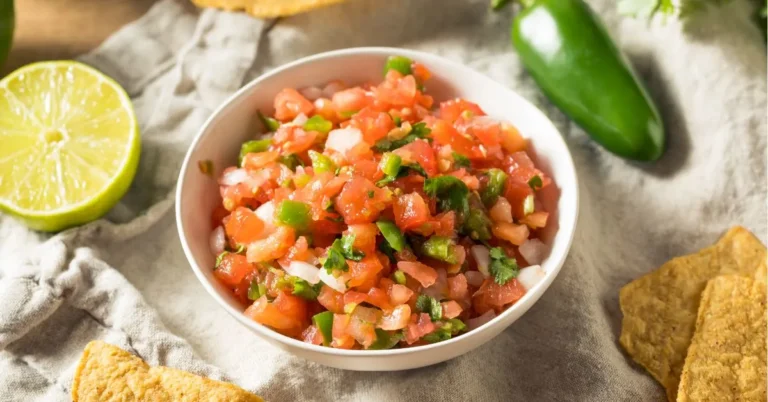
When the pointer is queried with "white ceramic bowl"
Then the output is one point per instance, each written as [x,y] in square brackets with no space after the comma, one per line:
[233,123]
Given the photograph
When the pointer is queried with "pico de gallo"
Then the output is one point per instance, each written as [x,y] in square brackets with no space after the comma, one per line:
[371,217]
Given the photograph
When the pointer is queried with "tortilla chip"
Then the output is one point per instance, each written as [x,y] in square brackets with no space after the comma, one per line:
[660,308]
[267,8]
[108,373]
[726,360]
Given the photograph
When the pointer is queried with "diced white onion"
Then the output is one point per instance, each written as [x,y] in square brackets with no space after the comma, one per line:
[473,323]
[266,212]
[533,250]
[217,241]
[439,289]
[332,88]
[311,93]
[303,270]
[474,278]
[300,119]
[530,276]
[337,284]
[343,139]
[234,176]
[482,257]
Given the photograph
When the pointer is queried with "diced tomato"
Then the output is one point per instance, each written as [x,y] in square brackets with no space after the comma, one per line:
[350,100]
[362,325]
[378,298]
[396,319]
[273,247]
[331,299]
[256,160]
[292,306]
[419,152]
[232,269]
[485,129]
[536,220]
[399,294]
[364,270]
[452,109]
[396,90]
[421,72]
[516,192]
[445,134]
[498,296]
[341,339]
[501,211]
[457,287]
[360,201]
[218,215]
[471,181]
[312,335]
[298,252]
[324,107]
[419,326]
[290,139]
[289,103]
[264,312]
[410,211]
[425,274]
[451,309]
[515,234]
[373,124]
[352,297]
[511,140]
[243,226]
[365,236]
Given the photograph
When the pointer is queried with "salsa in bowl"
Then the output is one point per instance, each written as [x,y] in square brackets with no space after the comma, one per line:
[367,216]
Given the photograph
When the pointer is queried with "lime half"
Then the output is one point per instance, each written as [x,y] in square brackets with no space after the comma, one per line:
[69,144]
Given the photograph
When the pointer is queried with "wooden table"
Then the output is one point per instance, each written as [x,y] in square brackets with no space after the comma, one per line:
[63,29]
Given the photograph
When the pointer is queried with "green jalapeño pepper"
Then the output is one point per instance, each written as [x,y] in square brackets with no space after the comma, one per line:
[6,28]
[570,55]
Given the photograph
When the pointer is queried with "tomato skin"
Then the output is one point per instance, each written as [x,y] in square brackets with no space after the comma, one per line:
[266,313]
[243,226]
[452,109]
[292,306]
[379,298]
[273,247]
[516,192]
[396,319]
[515,234]
[457,287]
[364,271]
[289,103]
[290,139]
[444,133]
[372,123]
[411,211]
[232,270]
[360,201]
[425,274]
[256,160]
[420,152]
[331,299]
[497,296]
[298,252]
[451,309]
[350,100]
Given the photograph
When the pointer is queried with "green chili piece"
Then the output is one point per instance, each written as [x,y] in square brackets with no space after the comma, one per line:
[392,234]
[324,322]
[400,63]
[491,192]
[294,214]
[321,163]
[440,248]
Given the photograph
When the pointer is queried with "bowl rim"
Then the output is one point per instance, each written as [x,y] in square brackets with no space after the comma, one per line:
[276,336]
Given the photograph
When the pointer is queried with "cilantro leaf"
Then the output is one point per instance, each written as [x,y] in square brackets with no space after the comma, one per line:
[502,268]
[403,171]
[335,259]
[460,160]
[451,194]
[220,258]
[385,340]
[256,290]
[305,290]
[535,182]
[429,305]
[348,250]
[445,330]
[418,131]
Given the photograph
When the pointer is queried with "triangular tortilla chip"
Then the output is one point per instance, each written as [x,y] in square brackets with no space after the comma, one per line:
[267,8]
[660,308]
[726,360]
[107,373]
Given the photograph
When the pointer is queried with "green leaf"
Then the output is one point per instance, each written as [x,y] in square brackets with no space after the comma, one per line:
[292,161]
[451,194]
[220,258]
[335,259]
[269,123]
[305,290]
[445,330]
[385,340]
[429,305]
[400,63]
[256,290]
[460,160]
[348,249]
[502,268]
[252,146]
[318,123]
[418,131]
[535,182]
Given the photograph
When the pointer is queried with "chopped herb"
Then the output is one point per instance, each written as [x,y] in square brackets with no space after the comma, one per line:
[292,161]
[502,268]
[252,146]
[440,248]
[528,205]
[385,340]
[398,121]
[324,322]
[445,330]
[460,160]
[256,290]
[401,64]
[399,277]
[429,305]
[371,193]
[295,214]
[451,194]
[220,258]
[390,164]
[240,248]
[535,182]
[318,123]
[418,131]
[269,123]
[491,192]
[477,225]
[392,234]
[328,205]
[321,163]
[348,249]
[335,259]
[387,249]
[305,290]
[206,167]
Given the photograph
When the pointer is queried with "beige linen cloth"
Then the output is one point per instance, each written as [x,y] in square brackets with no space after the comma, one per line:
[125,280]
